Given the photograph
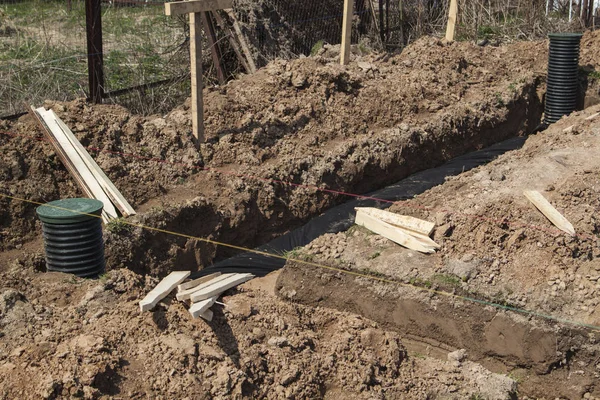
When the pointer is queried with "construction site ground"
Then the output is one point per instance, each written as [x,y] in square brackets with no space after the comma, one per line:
[304,332]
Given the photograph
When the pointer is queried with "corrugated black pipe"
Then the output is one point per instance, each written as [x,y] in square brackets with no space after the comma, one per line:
[563,69]
[72,234]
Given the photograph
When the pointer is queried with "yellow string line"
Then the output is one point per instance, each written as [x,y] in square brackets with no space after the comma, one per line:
[322,266]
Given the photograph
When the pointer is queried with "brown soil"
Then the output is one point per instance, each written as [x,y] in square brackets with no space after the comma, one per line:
[69,338]
[496,247]
[307,121]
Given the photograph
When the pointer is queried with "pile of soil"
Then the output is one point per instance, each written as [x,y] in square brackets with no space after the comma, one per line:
[66,337]
[590,60]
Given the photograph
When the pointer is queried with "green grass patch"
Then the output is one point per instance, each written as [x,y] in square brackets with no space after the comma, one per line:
[43,54]
[447,280]
[118,226]
[316,48]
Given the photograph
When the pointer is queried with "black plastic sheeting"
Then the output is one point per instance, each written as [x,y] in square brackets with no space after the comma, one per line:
[341,218]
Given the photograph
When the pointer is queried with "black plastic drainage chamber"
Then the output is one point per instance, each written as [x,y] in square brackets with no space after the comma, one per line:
[72,231]
[563,70]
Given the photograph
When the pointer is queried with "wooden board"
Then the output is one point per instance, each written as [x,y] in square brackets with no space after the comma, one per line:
[549,211]
[219,287]
[452,15]
[347,31]
[213,44]
[196,6]
[163,289]
[393,233]
[187,294]
[207,315]
[405,222]
[61,154]
[196,282]
[109,188]
[196,73]
[199,308]
[231,37]
[240,38]
[80,166]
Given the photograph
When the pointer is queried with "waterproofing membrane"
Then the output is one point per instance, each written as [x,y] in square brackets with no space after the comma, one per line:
[341,218]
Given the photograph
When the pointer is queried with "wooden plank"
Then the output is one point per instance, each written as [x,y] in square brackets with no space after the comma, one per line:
[109,188]
[187,294]
[217,288]
[549,211]
[346,31]
[81,167]
[197,309]
[405,222]
[163,289]
[451,27]
[240,38]
[196,282]
[61,154]
[231,37]
[392,233]
[196,73]
[207,315]
[196,6]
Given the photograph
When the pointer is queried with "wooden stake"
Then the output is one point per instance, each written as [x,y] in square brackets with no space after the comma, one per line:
[196,72]
[242,41]
[346,31]
[209,29]
[549,211]
[231,37]
[451,28]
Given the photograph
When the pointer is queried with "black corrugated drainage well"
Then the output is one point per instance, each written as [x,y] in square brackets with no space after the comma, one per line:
[563,66]
[72,233]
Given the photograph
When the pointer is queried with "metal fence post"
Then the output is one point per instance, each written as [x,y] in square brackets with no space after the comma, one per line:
[93,24]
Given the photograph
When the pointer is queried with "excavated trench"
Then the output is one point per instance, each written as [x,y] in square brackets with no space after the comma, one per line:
[549,359]
[360,165]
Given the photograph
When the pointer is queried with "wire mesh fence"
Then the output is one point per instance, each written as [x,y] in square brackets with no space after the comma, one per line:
[43,51]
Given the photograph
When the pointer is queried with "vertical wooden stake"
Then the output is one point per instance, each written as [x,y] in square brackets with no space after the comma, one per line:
[196,72]
[451,28]
[347,31]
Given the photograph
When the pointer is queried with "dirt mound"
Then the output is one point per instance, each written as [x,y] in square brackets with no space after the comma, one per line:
[65,337]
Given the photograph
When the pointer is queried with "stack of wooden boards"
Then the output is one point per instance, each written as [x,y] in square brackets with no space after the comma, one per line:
[88,175]
[410,232]
[200,293]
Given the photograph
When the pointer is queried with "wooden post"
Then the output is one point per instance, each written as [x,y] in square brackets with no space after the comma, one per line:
[195,8]
[196,72]
[346,31]
[93,24]
[451,28]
